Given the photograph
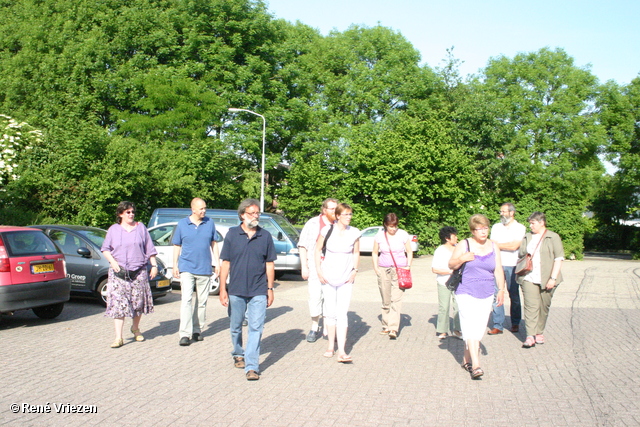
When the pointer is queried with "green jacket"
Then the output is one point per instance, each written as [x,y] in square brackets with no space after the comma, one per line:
[550,249]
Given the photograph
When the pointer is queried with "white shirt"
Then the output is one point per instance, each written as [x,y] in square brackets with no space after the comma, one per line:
[440,261]
[309,237]
[505,234]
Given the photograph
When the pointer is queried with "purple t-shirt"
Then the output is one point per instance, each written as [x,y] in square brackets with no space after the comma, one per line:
[131,249]
[478,276]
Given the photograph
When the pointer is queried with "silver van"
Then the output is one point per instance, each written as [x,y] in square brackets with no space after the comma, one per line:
[285,236]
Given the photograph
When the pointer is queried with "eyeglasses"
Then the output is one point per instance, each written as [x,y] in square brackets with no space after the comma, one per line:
[252,213]
[130,212]
[481,229]
[346,214]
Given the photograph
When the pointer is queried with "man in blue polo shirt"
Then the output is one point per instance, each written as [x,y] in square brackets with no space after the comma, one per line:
[248,257]
[194,241]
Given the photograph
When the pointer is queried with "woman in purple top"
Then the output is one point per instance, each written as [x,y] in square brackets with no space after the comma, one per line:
[475,292]
[128,247]
[391,240]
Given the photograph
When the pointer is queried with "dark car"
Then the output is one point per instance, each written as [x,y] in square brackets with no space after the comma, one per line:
[86,265]
[32,273]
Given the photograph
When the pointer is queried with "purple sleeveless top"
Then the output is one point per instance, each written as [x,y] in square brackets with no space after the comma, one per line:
[478,278]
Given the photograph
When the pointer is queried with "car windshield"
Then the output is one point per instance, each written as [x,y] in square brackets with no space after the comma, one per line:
[96,236]
[286,226]
[370,232]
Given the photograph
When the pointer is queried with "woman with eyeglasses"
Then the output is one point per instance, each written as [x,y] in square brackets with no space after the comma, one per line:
[475,292]
[539,285]
[337,255]
[391,248]
[128,247]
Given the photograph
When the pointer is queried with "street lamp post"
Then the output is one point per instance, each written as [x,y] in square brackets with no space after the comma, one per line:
[264,137]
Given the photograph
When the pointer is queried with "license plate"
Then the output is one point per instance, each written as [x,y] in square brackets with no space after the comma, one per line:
[162,284]
[42,268]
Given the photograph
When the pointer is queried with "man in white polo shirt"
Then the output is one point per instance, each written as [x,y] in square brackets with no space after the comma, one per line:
[508,234]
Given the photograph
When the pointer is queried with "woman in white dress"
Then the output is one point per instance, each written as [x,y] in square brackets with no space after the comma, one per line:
[337,255]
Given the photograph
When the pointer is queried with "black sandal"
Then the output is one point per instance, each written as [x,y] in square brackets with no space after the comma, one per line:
[467,367]
[476,373]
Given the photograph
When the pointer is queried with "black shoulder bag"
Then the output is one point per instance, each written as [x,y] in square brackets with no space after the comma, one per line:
[324,244]
[456,277]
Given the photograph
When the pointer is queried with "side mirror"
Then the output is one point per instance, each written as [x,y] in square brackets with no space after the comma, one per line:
[85,252]
[280,236]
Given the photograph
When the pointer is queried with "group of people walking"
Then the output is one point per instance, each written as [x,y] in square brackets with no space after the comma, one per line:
[329,250]
[247,259]
[494,264]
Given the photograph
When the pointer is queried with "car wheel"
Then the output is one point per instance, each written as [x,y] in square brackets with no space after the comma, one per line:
[215,286]
[101,290]
[49,311]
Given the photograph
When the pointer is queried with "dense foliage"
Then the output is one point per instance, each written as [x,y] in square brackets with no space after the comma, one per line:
[129,100]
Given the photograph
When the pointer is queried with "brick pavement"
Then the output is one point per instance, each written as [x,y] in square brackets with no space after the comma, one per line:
[586,374]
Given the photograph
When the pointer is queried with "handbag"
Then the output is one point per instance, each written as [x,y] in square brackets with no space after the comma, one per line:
[524,265]
[456,276]
[129,275]
[404,275]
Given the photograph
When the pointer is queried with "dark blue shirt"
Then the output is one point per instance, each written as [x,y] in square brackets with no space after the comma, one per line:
[195,256]
[248,259]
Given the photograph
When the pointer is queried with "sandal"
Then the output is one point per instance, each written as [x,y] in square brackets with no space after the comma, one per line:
[345,358]
[384,332]
[238,362]
[328,354]
[117,343]
[467,367]
[476,373]
[529,342]
[443,336]
[539,339]
[137,334]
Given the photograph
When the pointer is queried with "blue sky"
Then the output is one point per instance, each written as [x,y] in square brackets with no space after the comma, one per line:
[602,33]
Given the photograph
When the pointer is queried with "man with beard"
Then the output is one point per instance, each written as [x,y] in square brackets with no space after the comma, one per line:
[508,235]
[248,257]
[306,246]
[194,241]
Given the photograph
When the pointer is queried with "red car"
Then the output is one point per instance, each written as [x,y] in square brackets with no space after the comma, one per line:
[33,273]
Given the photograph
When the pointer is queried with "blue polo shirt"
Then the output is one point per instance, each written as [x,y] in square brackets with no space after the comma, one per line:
[248,258]
[195,256]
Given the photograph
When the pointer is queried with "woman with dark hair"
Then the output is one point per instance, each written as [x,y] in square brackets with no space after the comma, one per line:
[337,255]
[128,247]
[391,243]
[476,290]
[539,285]
[446,298]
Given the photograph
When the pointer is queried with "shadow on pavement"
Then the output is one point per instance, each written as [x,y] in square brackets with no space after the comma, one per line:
[357,329]
[279,345]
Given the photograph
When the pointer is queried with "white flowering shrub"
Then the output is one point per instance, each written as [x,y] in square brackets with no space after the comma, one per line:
[15,138]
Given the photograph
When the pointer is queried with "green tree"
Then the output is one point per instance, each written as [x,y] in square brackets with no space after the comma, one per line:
[413,168]
[546,156]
